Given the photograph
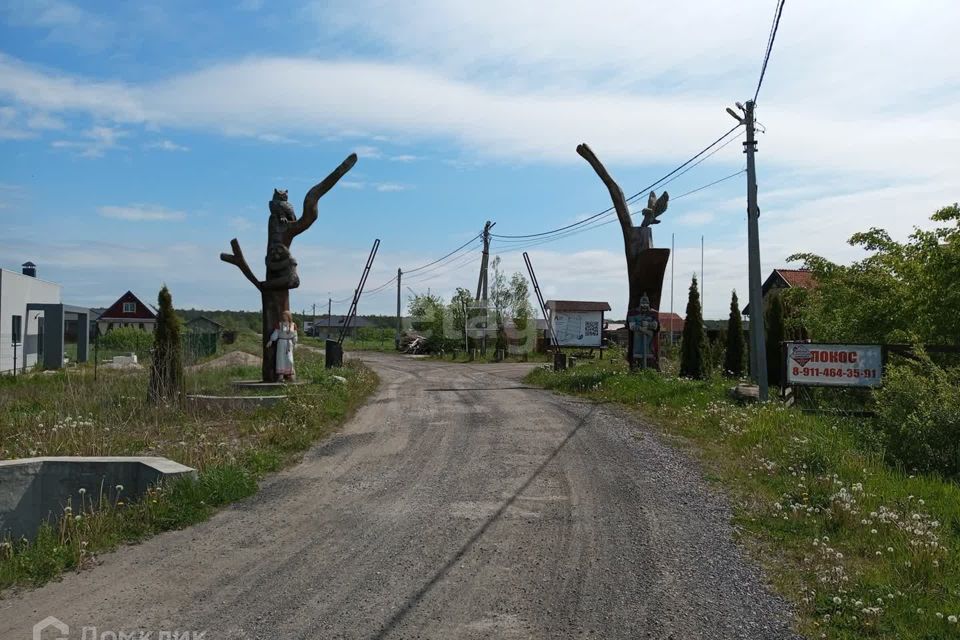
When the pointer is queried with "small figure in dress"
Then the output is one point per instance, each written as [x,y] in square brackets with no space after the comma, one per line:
[285,335]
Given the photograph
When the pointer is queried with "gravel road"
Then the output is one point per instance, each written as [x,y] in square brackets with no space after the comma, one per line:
[457,504]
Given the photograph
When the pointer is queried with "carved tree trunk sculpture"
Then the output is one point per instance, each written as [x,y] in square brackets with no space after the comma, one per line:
[281,267]
[645,264]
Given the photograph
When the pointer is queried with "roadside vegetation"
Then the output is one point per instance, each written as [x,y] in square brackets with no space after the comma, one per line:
[856,519]
[71,413]
[862,549]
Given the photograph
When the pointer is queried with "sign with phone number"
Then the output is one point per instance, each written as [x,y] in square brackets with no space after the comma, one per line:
[834,365]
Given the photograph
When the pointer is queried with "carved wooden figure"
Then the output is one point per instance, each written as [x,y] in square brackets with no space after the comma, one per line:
[645,264]
[281,267]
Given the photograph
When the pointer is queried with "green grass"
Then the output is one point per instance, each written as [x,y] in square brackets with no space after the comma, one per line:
[862,550]
[70,413]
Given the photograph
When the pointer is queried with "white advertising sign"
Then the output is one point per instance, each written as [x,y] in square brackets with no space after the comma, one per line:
[834,365]
[578,329]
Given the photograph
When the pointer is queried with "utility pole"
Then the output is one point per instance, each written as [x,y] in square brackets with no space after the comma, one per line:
[758,347]
[673,263]
[329,316]
[399,276]
[313,327]
[482,282]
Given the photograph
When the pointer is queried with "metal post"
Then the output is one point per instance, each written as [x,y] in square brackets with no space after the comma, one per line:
[329,316]
[673,262]
[482,281]
[758,349]
[397,341]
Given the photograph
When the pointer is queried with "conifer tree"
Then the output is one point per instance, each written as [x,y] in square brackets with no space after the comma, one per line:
[776,333]
[692,364]
[166,370]
[733,359]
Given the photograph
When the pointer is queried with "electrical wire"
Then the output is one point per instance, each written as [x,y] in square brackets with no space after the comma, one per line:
[643,191]
[606,222]
[770,39]
[444,257]
[707,186]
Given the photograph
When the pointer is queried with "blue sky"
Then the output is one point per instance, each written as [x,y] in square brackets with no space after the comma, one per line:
[137,139]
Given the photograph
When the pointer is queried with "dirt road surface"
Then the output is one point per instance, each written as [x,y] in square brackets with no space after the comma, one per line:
[457,504]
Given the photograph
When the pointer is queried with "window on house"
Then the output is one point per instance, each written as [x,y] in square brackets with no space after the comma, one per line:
[142,327]
[129,307]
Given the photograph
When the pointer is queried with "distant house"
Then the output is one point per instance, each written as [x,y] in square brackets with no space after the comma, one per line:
[127,311]
[780,279]
[671,326]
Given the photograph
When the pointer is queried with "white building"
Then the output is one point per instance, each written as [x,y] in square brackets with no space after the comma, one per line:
[17,290]
[32,307]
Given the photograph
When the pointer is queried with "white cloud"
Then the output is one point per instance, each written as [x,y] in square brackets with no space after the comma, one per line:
[140,212]
[352,184]
[45,121]
[239,224]
[167,145]
[93,142]
[63,22]
[391,186]
[404,157]
[366,151]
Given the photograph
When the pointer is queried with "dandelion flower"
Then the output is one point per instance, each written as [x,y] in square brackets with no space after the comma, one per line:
[119,487]
[952,619]
[82,491]
[837,600]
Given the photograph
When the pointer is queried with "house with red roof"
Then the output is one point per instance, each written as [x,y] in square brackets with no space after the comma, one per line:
[780,279]
[127,311]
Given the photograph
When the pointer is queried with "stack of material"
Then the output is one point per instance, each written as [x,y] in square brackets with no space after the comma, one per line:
[412,343]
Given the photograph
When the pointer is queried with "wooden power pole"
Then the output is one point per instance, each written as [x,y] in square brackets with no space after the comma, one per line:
[397,341]
[758,345]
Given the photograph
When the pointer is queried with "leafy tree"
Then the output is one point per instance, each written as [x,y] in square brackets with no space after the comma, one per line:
[692,363]
[775,334]
[458,312]
[733,359]
[510,301]
[427,312]
[166,370]
[902,292]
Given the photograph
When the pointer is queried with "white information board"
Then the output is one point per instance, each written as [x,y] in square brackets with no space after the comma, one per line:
[834,365]
[578,328]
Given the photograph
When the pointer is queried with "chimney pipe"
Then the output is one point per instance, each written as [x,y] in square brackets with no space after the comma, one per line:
[29,269]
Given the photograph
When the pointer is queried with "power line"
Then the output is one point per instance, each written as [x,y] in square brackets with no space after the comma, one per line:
[443,257]
[707,186]
[598,224]
[643,191]
[451,267]
[773,35]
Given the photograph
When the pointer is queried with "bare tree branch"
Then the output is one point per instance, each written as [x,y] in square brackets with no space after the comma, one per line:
[616,193]
[236,258]
[309,215]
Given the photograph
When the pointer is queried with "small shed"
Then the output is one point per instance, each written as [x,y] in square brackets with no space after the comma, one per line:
[203,324]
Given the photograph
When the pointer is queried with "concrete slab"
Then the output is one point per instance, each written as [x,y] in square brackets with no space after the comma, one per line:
[34,490]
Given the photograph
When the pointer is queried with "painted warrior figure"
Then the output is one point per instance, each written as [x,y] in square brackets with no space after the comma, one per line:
[285,335]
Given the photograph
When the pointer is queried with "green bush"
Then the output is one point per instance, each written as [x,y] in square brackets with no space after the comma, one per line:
[127,339]
[918,413]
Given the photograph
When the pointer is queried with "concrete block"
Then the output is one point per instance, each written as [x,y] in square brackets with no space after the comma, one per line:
[34,490]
